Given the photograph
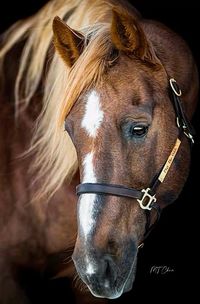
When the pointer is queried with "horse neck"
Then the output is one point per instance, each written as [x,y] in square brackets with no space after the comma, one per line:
[176,59]
[7,90]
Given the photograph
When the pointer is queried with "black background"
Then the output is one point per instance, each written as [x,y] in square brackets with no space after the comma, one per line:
[174,242]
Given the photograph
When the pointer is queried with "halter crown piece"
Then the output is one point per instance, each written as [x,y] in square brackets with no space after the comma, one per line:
[147,197]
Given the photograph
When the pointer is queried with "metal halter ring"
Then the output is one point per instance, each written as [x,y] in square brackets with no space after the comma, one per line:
[172,81]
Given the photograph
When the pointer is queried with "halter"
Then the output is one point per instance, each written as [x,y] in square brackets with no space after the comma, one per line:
[146,198]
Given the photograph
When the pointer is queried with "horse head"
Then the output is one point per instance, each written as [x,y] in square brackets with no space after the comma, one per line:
[123,129]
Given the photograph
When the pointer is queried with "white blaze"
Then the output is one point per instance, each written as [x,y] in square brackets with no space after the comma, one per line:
[87,201]
[93,116]
[91,122]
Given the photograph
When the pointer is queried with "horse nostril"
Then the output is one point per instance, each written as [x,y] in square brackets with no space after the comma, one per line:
[104,273]
[108,270]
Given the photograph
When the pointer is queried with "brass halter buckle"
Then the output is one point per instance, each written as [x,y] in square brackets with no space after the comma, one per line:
[148,198]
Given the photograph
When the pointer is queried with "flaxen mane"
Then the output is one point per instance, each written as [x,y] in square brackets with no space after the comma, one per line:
[56,158]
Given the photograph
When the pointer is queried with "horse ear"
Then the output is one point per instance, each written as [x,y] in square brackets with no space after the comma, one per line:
[128,36]
[68,42]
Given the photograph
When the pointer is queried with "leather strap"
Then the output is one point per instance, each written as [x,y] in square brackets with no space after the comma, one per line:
[110,189]
[149,227]
[118,190]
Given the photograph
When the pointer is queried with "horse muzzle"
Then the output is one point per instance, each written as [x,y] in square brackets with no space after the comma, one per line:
[106,275]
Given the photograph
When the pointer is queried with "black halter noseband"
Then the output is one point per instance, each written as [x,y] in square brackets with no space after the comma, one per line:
[147,197]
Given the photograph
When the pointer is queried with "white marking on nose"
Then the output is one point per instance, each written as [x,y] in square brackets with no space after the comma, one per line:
[90,269]
[93,116]
[106,284]
[90,266]
[87,201]
[88,169]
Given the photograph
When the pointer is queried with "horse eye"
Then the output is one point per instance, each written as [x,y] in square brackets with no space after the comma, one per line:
[139,130]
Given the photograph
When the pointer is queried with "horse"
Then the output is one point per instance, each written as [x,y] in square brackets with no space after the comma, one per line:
[96,101]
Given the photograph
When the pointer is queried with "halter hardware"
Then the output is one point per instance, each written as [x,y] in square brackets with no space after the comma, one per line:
[181,119]
[188,134]
[147,199]
[175,87]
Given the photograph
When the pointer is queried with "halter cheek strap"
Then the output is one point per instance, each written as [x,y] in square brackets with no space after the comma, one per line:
[146,198]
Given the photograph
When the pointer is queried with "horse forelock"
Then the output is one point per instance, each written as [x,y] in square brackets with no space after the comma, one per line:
[56,158]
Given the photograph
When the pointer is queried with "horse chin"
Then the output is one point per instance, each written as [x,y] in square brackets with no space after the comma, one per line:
[111,295]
